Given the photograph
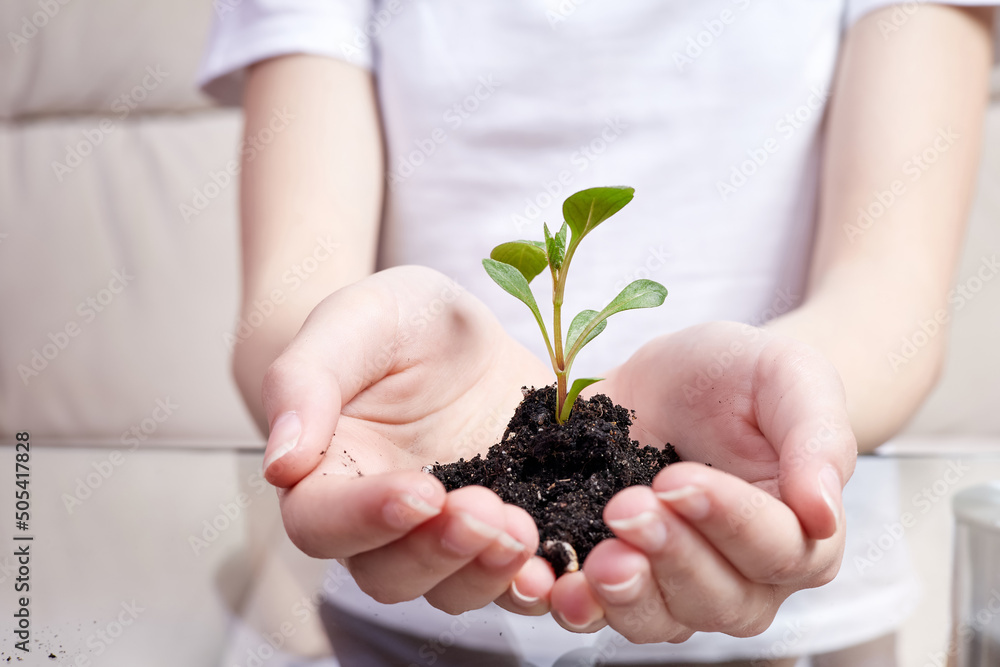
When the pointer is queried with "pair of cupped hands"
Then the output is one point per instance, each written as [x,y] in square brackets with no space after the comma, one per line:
[403,369]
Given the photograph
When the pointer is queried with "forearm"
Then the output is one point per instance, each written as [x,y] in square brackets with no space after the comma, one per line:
[310,201]
[898,173]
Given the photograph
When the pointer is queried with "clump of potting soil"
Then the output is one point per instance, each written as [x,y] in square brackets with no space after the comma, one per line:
[562,474]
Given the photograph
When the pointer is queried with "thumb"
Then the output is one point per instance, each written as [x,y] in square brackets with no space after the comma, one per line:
[327,364]
[817,459]
[806,417]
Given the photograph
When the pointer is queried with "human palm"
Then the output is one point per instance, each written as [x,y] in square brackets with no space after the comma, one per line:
[423,373]
[719,547]
[736,397]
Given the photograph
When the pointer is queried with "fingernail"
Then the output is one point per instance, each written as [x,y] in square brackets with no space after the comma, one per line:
[689,501]
[407,511]
[645,530]
[830,489]
[581,627]
[622,593]
[284,437]
[520,598]
[502,552]
[465,535]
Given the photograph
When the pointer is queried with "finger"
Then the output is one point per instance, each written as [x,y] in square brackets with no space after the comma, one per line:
[529,592]
[337,516]
[306,387]
[801,410]
[755,532]
[621,577]
[574,605]
[472,520]
[702,590]
[488,576]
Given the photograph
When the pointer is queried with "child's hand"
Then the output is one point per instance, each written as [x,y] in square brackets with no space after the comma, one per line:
[396,372]
[720,548]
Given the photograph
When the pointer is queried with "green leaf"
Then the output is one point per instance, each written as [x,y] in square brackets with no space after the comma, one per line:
[588,208]
[528,257]
[555,247]
[579,385]
[637,294]
[511,280]
[561,234]
[580,323]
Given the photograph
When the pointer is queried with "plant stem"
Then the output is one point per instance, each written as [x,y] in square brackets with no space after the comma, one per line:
[560,395]
[561,362]
[557,329]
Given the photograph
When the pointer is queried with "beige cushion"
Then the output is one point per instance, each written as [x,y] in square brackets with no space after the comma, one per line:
[87,55]
[153,334]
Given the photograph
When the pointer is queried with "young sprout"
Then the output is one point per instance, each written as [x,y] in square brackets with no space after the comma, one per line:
[515,264]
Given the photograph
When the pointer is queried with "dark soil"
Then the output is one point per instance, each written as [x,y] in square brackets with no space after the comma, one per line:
[563,475]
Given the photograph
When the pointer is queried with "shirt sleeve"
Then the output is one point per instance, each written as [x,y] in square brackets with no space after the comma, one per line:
[247,31]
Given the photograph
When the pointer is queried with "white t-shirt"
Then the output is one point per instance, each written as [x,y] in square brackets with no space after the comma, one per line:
[494,111]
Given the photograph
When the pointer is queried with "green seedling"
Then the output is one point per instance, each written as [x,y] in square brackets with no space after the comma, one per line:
[515,264]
